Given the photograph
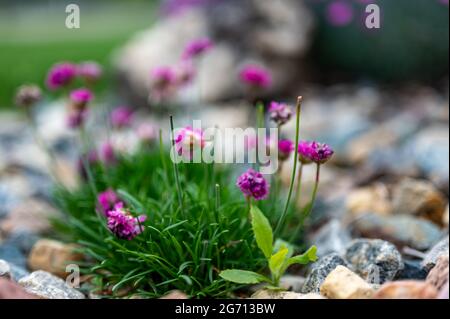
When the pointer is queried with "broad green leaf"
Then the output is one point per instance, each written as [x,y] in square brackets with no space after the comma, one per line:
[304,259]
[262,230]
[277,261]
[280,243]
[242,276]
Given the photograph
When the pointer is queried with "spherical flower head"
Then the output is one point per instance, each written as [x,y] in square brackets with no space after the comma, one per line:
[280,113]
[90,71]
[188,140]
[28,95]
[197,47]
[164,82]
[256,76]
[253,184]
[107,200]
[61,75]
[81,97]
[314,152]
[339,13]
[147,133]
[108,154]
[285,148]
[123,225]
[121,117]
[76,118]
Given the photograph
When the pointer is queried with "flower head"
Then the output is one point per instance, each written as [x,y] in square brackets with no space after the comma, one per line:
[285,148]
[256,76]
[107,200]
[121,117]
[147,133]
[108,154]
[280,113]
[90,71]
[81,97]
[314,152]
[61,75]
[164,80]
[28,95]
[188,140]
[339,13]
[197,47]
[123,225]
[253,184]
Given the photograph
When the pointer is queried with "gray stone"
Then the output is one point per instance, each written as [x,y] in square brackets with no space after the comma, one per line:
[23,240]
[12,255]
[438,250]
[5,269]
[412,270]
[375,260]
[17,272]
[292,283]
[47,286]
[320,270]
[331,238]
[402,230]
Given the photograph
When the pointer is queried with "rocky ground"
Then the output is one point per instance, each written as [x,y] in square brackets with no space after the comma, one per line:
[381,225]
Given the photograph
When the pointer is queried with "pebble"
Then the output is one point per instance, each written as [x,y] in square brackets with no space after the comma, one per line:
[443,293]
[175,294]
[438,276]
[375,260]
[47,286]
[292,283]
[5,269]
[23,240]
[402,230]
[11,290]
[406,289]
[12,255]
[275,294]
[419,198]
[342,283]
[52,256]
[373,199]
[331,238]
[412,270]
[320,270]
[438,250]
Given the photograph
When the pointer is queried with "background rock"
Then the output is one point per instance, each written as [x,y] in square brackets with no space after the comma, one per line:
[406,290]
[342,283]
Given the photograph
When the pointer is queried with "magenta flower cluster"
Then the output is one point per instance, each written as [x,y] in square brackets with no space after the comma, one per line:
[280,113]
[121,117]
[81,96]
[256,76]
[122,224]
[253,185]
[107,200]
[196,48]
[63,74]
[188,140]
[285,148]
[314,152]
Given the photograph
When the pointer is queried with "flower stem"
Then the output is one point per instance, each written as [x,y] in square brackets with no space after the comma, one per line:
[85,159]
[163,160]
[299,185]
[175,168]
[259,124]
[217,206]
[297,132]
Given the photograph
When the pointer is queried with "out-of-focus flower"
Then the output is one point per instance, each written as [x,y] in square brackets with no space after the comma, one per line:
[196,48]
[339,13]
[76,118]
[280,113]
[80,98]
[121,117]
[253,184]
[185,73]
[108,154]
[188,140]
[314,152]
[28,95]
[90,71]
[147,133]
[164,81]
[107,200]
[123,225]
[256,76]
[285,148]
[175,7]
[61,75]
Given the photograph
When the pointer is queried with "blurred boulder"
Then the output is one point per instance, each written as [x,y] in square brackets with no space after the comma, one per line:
[406,289]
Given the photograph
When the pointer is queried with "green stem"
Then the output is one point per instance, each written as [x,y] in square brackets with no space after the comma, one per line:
[175,167]
[163,160]
[259,124]
[297,132]
[299,185]
[85,161]
[217,204]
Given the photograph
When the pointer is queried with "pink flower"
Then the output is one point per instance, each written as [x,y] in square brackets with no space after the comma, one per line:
[256,76]
[188,140]
[28,95]
[121,117]
[314,152]
[90,71]
[197,47]
[107,200]
[285,148]
[123,225]
[339,13]
[164,81]
[253,184]
[61,75]
[147,133]
[280,113]
[108,154]
[81,97]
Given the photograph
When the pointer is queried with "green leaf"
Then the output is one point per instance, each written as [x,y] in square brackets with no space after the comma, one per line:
[277,261]
[304,259]
[262,230]
[242,276]
[280,243]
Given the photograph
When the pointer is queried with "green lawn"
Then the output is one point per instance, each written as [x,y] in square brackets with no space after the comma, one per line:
[33,38]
